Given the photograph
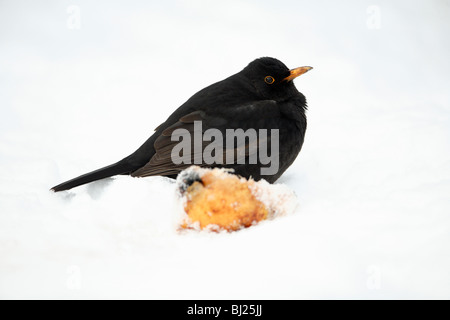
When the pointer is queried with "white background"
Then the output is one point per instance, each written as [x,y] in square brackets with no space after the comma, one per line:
[82,85]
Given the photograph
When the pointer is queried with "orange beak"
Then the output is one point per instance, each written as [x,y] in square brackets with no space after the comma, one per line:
[297,72]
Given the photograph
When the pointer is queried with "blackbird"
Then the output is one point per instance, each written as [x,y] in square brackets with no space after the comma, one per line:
[261,96]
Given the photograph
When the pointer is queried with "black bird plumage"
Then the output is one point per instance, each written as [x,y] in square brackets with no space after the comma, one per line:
[244,100]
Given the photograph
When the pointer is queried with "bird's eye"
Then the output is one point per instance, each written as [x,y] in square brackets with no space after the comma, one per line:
[269,80]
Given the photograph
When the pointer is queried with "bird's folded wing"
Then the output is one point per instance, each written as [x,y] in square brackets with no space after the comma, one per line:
[246,116]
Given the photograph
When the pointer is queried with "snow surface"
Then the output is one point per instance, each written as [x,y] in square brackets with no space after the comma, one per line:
[373,178]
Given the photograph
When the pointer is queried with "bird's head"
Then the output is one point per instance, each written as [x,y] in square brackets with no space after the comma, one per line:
[272,79]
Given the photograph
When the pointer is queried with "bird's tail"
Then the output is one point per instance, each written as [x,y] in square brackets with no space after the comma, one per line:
[121,167]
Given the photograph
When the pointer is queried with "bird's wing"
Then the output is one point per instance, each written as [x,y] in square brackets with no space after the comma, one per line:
[251,115]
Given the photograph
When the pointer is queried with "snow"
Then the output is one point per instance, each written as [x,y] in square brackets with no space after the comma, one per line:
[278,198]
[372,180]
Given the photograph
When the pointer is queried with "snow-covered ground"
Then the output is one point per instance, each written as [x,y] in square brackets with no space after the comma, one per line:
[83,85]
